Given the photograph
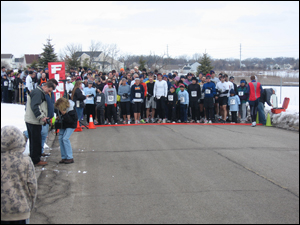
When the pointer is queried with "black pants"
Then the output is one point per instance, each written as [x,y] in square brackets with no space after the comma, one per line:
[125,108]
[209,107]
[253,109]
[111,111]
[90,110]
[160,107]
[35,142]
[100,116]
[234,116]
[195,110]
[172,112]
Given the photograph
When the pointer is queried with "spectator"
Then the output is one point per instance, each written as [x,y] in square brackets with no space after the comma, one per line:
[18,180]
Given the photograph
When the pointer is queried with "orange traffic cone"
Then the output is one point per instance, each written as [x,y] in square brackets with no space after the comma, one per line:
[91,123]
[78,128]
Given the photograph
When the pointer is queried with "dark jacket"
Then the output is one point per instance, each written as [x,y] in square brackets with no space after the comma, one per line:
[266,96]
[194,89]
[78,96]
[175,98]
[100,101]
[242,93]
[17,81]
[69,120]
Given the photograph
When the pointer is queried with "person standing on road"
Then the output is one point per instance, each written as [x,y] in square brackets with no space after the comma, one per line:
[194,91]
[136,98]
[233,102]
[69,123]
[36,116]
[209,91]
[160,93]
[243,95]
[223,89]
[255,90]
[18,179]
[183,98]
[265,97]
[111,102]
[90,94]
[78,97]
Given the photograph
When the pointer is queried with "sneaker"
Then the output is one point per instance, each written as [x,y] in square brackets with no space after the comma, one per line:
[164,121]
[173,122]
[105,123]
[109,124]
[222,121]
[179,121]
[198,121]
[192,121]
[253,124]
[147,120]
[136,122]
[41,163]
[68,161]
[116,123]
[45,154]
[205,121]
[142,121]
[168,121]
[209,121]
[128,122]
[124,122]
[95,122]
[159,121]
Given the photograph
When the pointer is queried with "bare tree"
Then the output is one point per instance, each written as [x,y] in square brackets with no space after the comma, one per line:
[69,56]
[94,51]
[114,50]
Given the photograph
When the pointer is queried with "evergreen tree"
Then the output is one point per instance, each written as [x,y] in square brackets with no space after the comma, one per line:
[205,66]
[48,55]
[142,63]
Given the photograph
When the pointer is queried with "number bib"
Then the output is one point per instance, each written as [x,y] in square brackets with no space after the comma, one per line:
[170,98]
[232,101]
[241,93]
[207,91]
[5,83]
[137,95]
[111,98]
[194,93]
[182,99]
[98,98]
[77,103]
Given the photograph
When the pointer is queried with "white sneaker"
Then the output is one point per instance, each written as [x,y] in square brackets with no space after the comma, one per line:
[179,121]
[164,121]
[253,124]
[198,121]
[116,123]
[128,122]
[159,121]
[209,121]
[136,122]
[147,120]
[173,122]
[205,121]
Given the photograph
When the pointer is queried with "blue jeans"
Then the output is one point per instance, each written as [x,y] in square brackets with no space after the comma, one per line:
[79,112]
[261,113]
[183,112]
[65,144]
[44,135]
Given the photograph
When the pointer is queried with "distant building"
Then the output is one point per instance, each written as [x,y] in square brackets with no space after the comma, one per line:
[9,60]
[99,61]
[30,58]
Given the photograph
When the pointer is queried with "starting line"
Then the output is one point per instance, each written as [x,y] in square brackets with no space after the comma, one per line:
[195,124]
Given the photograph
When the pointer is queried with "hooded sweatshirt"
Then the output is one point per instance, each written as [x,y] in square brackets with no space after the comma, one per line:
[18,180]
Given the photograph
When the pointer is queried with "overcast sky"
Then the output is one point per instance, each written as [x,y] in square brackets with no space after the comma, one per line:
[264,29]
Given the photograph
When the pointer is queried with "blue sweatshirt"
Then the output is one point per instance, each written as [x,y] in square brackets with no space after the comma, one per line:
[209,89]
[123,90]
[89,91]
[183,97]
[234,102]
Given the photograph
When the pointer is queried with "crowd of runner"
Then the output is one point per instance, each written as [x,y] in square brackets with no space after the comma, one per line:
[133,96]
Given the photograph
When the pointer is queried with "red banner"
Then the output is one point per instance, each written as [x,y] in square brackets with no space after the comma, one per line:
[58,72]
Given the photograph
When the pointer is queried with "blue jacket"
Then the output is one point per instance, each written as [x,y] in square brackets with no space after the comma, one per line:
[89,91]
[124,90]
[183,94]
[50,103]
[234,102]
[209,89]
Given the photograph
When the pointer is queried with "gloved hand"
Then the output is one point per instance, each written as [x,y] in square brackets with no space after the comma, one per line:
[105,104]
[115,104]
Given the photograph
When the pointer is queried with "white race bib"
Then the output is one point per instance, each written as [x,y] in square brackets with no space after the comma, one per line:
[182,100]
[98,98]
[111,98]
[77,103]
[170,98]
[241,93]
[232,101]
[194,93]
[137,95]
[207,91]
[5,83]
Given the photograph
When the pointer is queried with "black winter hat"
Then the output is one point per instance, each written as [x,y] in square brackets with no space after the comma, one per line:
[194,78]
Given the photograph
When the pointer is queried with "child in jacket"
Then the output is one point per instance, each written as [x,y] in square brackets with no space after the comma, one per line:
[233,102]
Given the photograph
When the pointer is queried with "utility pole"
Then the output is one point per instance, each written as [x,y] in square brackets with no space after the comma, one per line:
[240,56]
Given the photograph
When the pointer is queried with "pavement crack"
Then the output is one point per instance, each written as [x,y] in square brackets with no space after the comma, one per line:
[256,173]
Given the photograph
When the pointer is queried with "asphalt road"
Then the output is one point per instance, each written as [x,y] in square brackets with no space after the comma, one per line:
[173,174]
